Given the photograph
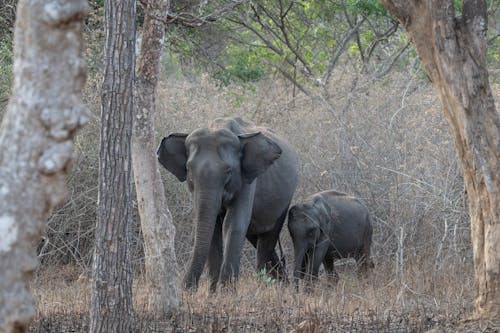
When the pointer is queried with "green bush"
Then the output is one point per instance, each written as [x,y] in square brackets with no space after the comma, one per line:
[244,66]
[262,276]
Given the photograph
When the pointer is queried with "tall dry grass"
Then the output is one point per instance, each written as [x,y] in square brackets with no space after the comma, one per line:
[377,303]
[383,140]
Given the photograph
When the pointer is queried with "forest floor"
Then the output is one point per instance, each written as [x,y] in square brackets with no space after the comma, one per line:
[374,304]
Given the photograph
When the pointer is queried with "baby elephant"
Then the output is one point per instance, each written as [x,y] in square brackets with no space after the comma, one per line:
[329,225]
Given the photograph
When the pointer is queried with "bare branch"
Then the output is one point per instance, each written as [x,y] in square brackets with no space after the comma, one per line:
[341,49]
[269,44]
[289,77]
[351,25]
[191,20]
[393,62]
[288,43]
[391,31]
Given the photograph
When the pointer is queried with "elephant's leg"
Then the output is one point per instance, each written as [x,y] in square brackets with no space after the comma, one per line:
[215,255]
[253,239]
[234,230]
[318,257]
[266,255]
[307,269]
[305,266]
[364,262]
[329,264]
[234,237]
[267,258]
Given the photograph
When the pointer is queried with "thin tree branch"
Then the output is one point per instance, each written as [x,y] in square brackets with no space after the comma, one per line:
[265,26]
[288,43]
[191,20]
[269,44]
[392,30]
[341,49]
[289,77]
[351,25]
[393,62]
[492,39]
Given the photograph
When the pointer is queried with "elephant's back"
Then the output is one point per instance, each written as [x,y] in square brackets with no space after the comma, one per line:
[352,228]
[349,211]
[341,201]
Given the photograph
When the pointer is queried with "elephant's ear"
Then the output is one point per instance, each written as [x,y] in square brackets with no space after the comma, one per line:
[293,212]
[172,154]
[259,152]
[325,213]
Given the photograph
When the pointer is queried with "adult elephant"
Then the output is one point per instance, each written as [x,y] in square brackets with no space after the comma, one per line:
[242,179]
[329,225]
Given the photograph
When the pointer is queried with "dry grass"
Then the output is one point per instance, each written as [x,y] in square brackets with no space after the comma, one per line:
[425,300]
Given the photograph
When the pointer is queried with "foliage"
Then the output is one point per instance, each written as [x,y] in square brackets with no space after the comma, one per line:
[300,40]
[366,7]
[262,276]
[243,64]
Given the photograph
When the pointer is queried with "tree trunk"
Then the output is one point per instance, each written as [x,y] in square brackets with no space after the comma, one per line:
[156,221]
[111,297]
[453,50]
[36,136]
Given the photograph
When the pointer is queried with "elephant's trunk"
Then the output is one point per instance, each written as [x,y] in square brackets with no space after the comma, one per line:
[300,251]
[207,206]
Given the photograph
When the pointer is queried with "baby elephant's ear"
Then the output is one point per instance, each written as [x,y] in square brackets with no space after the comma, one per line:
[172,154]
[259,152]
[292,212]
[323,210]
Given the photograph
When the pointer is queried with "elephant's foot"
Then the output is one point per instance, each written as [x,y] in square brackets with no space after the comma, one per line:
[229,286]
[365,268]
[229,276]
[190,282]
[213,286]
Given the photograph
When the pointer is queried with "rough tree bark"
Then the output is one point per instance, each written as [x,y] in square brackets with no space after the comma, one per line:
[156,221]
[111,297]
[453,50]
[36,136]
